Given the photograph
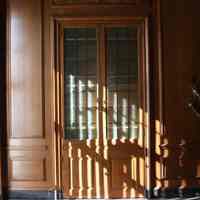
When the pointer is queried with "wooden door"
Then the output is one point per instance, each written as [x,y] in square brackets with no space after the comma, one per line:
[103,108]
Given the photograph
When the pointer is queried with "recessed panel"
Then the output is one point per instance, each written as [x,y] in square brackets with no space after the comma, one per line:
[68,2]
[25,69]
[20,170]
[120,173]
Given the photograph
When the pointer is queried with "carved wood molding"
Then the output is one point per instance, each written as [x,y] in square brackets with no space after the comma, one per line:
[81,2]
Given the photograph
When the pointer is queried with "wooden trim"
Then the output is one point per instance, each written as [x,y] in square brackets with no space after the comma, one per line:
[101,11]
[20,194]
[102,83]
[156,71]
[58,128]
[160,69]
[159,60]
[59,3]
[3,103]
[86,21]
[166,193]
[148,93]
[142,25]
[188,192]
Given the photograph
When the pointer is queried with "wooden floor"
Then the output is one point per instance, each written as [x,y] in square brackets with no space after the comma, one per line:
[191,198]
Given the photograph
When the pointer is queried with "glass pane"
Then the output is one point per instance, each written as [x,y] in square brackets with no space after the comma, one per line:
[80,83]
[122,83]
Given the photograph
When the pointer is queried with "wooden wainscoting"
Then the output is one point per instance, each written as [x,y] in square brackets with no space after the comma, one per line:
[30,122]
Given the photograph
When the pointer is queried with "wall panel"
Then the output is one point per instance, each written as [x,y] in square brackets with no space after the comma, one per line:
[29,146]
[26,69]
[180,34]
[2,92]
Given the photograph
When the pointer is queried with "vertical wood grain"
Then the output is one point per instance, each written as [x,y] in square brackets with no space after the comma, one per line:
[3,180]
[29,141]
[25,69]
[180,63]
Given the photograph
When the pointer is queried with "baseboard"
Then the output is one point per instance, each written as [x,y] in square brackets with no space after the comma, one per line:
[165,193]
[36,195]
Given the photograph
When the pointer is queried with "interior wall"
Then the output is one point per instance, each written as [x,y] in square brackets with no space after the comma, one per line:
[180,59]
[30,137]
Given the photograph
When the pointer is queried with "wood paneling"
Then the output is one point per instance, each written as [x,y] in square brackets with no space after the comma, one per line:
[67,2]
[3,179]
[32,170]
[30,146]
[30,65]
[180,35]
[139,8]
[25,78]
[109,157]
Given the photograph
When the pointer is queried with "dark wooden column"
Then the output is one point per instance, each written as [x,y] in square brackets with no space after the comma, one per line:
[3,159]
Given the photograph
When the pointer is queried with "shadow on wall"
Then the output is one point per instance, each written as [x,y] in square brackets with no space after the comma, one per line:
[177,163]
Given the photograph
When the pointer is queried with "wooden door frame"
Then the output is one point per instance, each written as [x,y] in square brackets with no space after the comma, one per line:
[56,24]
[156,60]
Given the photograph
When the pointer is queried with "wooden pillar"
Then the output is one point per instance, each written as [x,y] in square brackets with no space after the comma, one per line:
[3,159]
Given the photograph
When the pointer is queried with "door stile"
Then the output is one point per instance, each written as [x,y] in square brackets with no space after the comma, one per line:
[103,50]
[99,91]
[64,161]
[98,143]
[103,82]
[143,112]
[58,103]
[59,50]
[146,67]
[144,89]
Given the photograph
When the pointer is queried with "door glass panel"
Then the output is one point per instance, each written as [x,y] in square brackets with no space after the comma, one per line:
[122,83]
[80,83]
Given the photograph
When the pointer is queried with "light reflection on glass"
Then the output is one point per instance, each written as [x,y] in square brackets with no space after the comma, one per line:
[80,109]
[90,102]
[133,125]
[114,116]
[72,103]
[124,116]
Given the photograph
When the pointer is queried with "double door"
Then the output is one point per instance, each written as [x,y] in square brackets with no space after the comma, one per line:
[103,108]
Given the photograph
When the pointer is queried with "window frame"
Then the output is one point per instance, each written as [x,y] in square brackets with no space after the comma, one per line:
[101,24]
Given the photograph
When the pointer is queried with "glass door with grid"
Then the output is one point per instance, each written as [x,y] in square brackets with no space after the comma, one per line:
[103,110]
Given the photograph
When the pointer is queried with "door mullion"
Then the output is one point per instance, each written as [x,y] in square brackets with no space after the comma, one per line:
[102,84]
[99,103]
